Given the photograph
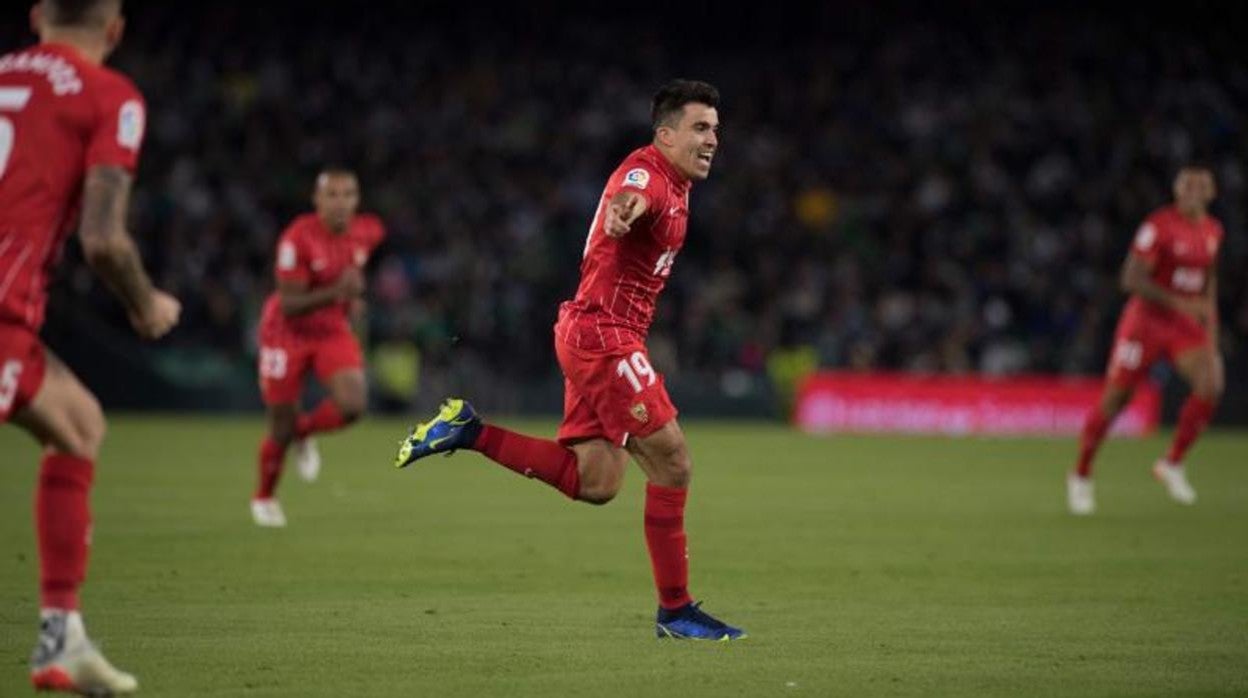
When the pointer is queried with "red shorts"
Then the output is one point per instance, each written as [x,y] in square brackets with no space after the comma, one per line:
[1146,334]
[286,358]
[22,366]
[611,395]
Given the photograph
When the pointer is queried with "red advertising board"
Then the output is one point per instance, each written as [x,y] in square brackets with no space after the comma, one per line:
[955,405]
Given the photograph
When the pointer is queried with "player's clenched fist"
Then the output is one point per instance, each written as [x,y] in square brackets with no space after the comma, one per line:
[156,318]
[625,208]
[351,283]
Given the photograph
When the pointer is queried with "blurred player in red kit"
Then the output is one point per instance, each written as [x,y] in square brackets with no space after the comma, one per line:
[1170,273]
[305,330]
[615,403]
[70,134]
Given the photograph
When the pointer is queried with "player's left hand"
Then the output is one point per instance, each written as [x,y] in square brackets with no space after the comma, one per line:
[157,316]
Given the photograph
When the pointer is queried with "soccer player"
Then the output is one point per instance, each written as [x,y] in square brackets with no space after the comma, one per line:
[304,329]
[615,403]
[70,133]
[1170,273]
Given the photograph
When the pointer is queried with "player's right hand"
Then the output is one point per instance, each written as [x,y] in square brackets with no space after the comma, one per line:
[159,316]
[621,213]
[351,283]
[1199,308]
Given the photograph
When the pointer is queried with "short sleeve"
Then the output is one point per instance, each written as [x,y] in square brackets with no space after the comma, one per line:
[374,232]
[1147,243]
[642,180]
[120,125]
[292,259]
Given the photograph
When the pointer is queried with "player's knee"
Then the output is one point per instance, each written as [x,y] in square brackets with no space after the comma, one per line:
[352,408]
[1209,390]
[599,485]
[677,466]
[91,430]
[282,430]
[597,493]
[1113,401]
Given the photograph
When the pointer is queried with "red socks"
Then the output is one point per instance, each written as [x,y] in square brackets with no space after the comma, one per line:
[545,460]
[665,537]
[63,527]
[1090,439]
[556,465]
[272,455]
[1193,419]
[325,417]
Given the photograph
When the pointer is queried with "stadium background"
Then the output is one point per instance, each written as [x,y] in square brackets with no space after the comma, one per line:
[921,189]
[945,190]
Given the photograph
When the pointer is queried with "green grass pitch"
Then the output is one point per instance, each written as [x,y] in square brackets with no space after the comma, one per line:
[859,566]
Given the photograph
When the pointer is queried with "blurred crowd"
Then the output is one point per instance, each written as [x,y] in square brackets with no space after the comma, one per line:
[911,193]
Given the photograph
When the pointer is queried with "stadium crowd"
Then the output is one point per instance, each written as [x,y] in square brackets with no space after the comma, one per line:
[921,195]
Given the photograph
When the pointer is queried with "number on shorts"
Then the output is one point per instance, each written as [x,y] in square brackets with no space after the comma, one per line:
[1188,279]
[8,383]
[634,368]
[1128,354]
[272,363]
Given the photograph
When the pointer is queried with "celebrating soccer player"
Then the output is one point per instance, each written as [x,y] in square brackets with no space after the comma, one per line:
[70,132]
[615,403]
[304,329]
[1172,314]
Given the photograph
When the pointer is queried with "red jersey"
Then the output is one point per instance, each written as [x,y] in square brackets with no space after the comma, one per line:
[1181,251]
[621,277]
[309,252]
[60,115]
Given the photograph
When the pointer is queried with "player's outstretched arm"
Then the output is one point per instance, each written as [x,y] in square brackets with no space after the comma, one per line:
[623,210]
[111,252]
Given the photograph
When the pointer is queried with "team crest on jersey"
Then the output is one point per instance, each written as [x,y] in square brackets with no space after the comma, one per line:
[130,124]
[637,177]
[640,413]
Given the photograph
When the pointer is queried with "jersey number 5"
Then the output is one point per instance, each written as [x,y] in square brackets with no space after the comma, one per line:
[12,99]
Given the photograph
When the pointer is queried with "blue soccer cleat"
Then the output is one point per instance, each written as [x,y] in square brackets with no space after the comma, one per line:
[690,622]
[455,427]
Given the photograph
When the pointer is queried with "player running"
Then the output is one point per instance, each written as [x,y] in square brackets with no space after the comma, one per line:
[304,329]
[70,133]
[615,403]
[1172,314]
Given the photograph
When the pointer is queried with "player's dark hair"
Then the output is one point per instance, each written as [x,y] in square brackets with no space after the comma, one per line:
[77,13]
[1200,165]
[671,99]
[336,170]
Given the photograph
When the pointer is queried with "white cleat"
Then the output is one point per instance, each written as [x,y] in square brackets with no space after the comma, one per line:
[1079,495]
[65,660]
[1173,476]
[307,459]
[268,513]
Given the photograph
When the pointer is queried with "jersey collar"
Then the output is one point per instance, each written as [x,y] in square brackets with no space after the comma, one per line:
[673,175]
